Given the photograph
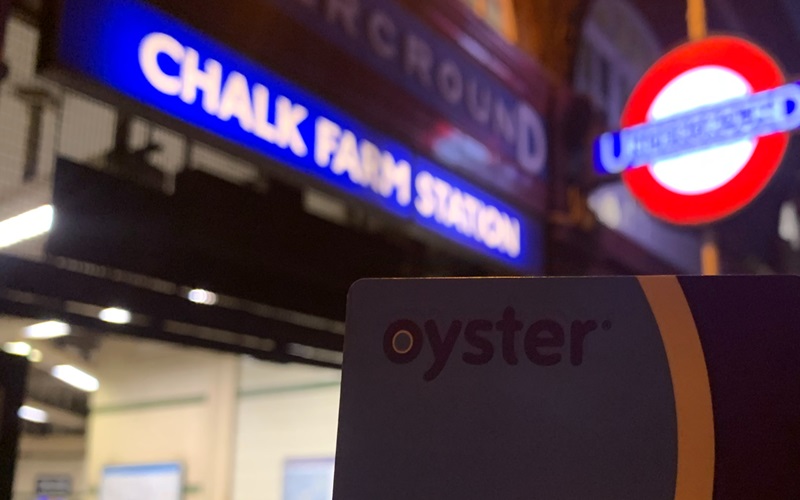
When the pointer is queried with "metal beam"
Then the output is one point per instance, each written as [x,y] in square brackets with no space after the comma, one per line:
[40,290]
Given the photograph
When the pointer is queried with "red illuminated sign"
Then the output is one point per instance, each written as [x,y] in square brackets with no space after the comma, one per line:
[704,131]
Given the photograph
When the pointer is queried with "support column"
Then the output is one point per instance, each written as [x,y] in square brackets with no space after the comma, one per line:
[161,403]
[224,404]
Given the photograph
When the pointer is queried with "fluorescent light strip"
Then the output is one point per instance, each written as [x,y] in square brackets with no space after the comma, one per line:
[75,377]
[46,330]
[26,226]
[32,414]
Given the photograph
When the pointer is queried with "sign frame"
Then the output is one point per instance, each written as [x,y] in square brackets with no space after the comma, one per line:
[641,136]
[51,67]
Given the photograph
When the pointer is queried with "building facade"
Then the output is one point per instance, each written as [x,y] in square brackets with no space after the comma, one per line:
[223,173]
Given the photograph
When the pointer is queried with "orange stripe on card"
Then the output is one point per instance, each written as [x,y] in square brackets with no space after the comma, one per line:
[687,366]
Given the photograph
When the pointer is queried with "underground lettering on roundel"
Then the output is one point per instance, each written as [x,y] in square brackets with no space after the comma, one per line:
[749,117]
[233,97]
[471,217]
[364,163]
[543,341]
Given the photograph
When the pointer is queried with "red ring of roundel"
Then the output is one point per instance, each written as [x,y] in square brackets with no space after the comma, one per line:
[763,73]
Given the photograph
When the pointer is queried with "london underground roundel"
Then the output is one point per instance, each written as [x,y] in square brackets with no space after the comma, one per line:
[704,131]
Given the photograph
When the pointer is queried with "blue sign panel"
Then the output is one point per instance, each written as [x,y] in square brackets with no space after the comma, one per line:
[53,487]
[308,479]
[139,482]
[146,55]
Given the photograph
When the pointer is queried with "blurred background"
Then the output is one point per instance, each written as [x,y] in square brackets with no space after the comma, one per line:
[175,270]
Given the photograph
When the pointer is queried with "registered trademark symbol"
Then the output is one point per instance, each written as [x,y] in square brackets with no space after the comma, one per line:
[606,325]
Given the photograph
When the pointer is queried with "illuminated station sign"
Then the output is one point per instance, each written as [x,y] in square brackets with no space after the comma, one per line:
[704,131]
[145,55]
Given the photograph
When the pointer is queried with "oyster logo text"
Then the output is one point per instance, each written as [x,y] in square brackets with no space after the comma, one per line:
[544,341]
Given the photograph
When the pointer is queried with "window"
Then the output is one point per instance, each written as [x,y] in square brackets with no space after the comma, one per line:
[617,47]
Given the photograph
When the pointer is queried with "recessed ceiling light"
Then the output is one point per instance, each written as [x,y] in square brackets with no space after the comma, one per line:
[36,356]
[115,315]
[200,296]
